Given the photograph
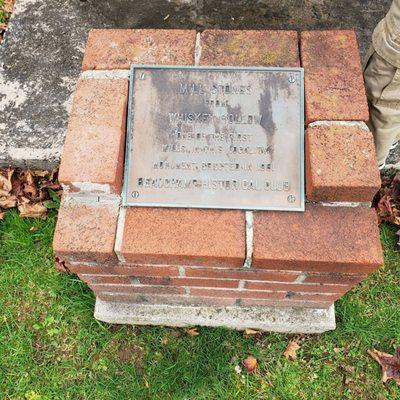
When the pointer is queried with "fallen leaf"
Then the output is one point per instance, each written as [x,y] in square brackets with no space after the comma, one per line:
[192,331]
[291,349]
[336,350]
[8,201]
[238,369]
[390,364]
[164,340]
[5,180]
[1,215]
[252,332]
[37,210]
[250,363]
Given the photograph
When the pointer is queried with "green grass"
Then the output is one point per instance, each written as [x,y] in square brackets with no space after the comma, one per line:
[51,347]
[3,15]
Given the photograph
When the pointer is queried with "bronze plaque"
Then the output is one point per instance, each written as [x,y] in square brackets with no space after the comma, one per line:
[215,137]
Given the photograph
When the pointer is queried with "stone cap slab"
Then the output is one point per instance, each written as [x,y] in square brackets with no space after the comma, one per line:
[330,239]
[183,236]
[119,48]
[250,48]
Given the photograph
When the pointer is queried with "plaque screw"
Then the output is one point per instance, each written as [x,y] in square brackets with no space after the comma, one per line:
[135,194]
[292,79]
[291,198]
[142,76]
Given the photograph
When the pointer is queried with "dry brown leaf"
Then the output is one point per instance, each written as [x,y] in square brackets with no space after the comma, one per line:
[291,349]
[1,215]
[5,180]
[36,210]
[252,332]
[41,174]
[8,201]
[390,364]
[192,331]
[250,363]
[8,6]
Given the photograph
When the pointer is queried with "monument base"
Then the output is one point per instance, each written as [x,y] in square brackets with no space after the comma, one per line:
[273,319]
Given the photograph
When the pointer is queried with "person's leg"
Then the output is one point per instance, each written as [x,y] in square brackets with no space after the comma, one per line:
[382,81]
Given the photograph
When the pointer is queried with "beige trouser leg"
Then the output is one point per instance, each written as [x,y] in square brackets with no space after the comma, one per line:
[382,82]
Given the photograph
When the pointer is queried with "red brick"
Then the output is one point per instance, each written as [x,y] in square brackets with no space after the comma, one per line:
[94,146]
[147,270]
[86,232]
[250,48]
[303,288]
[334,278]
[91,269]
[143,298]
[244,273]
[119,48]
[119,288]
[329,239]
[223,283]
[341,164]
[238,294]
[334,85]
[184,236]
[105,279]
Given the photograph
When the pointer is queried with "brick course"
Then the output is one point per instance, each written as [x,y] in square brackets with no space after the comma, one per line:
[184,236]
[250,48]
[340,164]
[119,48]
[333,81]
[86,232]
[331,239]
[93,152]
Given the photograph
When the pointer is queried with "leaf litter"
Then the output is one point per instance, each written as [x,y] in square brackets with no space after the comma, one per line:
[32,192]
[390,364]
[387,200]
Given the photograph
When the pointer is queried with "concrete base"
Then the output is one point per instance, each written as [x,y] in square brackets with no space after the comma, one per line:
[275,319]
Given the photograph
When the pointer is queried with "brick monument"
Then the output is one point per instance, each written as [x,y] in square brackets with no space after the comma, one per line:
[271,270]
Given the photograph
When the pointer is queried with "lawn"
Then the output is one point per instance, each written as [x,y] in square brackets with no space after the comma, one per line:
[53,348]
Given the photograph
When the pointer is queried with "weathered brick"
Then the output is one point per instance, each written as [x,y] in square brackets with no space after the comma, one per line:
[184,236]
[243,273]
[250,48]
[93,153]
[105,279]
[200,282]
[322,239]
[119,48]
[147,270]
[144,298]
[90,269]
[340,164]
[238,294]
[86,232]
[303,288]
[334,278]
[120,288]
[334,85]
